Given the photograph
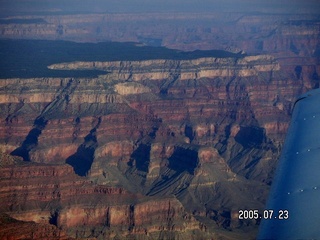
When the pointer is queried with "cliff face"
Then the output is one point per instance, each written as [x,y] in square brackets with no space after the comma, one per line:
[14,229]
[39,194]
[153,148]
[158,148]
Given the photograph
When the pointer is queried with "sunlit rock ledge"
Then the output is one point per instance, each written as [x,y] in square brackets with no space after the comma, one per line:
[182,69]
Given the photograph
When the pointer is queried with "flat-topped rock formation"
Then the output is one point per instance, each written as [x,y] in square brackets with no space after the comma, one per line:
[115,154]
[152,143]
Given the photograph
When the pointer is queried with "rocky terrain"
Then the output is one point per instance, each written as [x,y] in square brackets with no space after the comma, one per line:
[251,32]
[151,148]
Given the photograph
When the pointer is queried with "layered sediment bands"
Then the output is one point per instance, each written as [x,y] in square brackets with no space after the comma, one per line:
[151,149]
[184,69]
[55,195]
[11,228]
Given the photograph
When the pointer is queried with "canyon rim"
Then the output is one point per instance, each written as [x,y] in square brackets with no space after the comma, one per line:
[153,125]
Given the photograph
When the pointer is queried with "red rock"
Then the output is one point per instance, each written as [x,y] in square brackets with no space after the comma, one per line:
[160,153]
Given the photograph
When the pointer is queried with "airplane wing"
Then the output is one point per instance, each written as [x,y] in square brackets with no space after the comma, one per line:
[293,208]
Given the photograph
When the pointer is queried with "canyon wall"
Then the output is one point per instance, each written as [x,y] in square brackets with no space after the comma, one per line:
[161,148]
[37,195]
[122,151]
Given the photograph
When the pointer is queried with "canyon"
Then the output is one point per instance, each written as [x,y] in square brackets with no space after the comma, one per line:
[148,147]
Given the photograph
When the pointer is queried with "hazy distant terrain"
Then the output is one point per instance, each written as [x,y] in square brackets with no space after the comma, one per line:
[112,6]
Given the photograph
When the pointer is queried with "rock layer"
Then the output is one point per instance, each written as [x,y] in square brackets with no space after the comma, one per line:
[55,195]
[201,132]
[160,148]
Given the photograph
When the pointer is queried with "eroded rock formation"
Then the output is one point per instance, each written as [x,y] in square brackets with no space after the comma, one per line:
[160,148]
[201,132]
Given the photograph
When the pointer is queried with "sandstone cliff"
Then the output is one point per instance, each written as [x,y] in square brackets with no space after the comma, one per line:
[154,148]
[157,148]
[38,195]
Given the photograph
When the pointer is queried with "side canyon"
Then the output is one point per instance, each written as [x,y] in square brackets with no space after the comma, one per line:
[148,146]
